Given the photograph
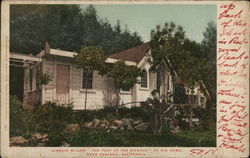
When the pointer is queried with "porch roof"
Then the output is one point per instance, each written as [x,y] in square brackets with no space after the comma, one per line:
[21,60]
[25,57]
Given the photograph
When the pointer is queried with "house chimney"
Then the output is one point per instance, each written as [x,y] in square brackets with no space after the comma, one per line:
[47,48]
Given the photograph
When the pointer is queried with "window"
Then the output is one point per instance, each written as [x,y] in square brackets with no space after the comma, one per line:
[87,78]
[144,79]
[30,79]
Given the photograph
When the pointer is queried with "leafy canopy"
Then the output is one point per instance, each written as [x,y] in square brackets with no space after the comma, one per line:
[208,46]
[90,58]
[125,76]
[66,27]
[183,57]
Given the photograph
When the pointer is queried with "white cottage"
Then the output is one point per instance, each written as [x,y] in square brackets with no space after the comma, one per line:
[67,85]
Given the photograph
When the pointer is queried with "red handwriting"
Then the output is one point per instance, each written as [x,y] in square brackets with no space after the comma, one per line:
[224,64]
[194,152]
[232,32]
[229,50]
[237,40]
[232,88]
[229,93]
[240,23]
[226,56]
[236,104]
[228,73]
[226,14]
[228,145]
[225,102]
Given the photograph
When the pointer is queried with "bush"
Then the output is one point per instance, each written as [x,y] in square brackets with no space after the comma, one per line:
[180,117]
[207,121]
[48,118]
[52,119]
[19,118]
[50,115]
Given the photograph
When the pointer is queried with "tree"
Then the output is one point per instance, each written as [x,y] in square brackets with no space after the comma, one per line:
[65,27]
[57,24]
[90,58]
[208,46]
[166,45]
[124,76]
[182,56]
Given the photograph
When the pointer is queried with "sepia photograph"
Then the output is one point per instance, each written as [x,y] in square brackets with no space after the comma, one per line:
[112,75]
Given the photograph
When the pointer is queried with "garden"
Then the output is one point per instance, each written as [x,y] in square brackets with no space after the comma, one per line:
[51,125]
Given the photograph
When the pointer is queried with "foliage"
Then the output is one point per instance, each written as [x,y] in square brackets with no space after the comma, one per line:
[208,47]
[52,119]
[19,118]
[43,79]
[208,121]
[179,96]
[180,117]
[171,47]
[125,76]
[194,63]
[66,27]
[90,58]
[48,118]
[16,77]
[93,137]
[48,115]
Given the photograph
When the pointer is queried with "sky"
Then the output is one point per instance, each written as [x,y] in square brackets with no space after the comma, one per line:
[142,18]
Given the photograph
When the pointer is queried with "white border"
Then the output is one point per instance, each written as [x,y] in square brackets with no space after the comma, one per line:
[47,151]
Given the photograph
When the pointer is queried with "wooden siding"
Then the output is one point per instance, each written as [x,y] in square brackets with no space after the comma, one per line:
[97,97]
[48,90]
[25,87]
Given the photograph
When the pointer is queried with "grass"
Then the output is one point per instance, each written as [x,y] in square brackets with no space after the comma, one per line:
[99,138]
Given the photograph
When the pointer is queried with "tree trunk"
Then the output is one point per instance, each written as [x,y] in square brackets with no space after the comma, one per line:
[117,101]
[86,92]
[190,112]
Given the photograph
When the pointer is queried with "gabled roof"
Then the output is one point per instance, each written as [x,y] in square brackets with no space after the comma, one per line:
[134,54]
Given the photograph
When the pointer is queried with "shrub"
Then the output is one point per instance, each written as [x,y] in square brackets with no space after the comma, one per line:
[19,118]
[181,116]
[207,121]
[52,119]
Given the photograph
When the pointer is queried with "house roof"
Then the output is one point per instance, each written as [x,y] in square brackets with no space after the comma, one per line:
[25,57]
[134,54]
